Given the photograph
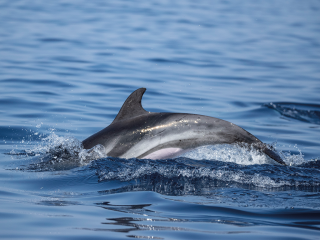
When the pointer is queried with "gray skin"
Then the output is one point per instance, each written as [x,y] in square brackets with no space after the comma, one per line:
[136,133]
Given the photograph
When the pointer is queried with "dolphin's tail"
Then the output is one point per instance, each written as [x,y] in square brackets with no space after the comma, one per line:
[273,155]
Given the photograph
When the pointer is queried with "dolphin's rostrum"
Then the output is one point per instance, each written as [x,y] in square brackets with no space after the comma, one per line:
[136,133]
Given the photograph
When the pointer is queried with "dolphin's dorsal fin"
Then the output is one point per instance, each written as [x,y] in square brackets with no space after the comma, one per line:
[132,106]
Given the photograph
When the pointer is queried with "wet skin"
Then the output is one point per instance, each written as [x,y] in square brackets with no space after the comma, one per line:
[136,133]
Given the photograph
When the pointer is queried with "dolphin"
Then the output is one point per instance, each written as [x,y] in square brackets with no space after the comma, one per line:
[137,133]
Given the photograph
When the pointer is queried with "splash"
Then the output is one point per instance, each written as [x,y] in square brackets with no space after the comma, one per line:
[229,153]
[63,153]
[222,164]
[203,167]
[69,149]
[292,159]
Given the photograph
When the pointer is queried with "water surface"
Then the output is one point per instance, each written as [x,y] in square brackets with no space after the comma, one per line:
[66,67]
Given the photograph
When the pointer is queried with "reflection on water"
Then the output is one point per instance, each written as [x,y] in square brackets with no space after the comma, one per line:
[147,219]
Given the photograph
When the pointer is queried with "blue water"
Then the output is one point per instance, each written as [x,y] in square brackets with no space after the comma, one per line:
[66,67]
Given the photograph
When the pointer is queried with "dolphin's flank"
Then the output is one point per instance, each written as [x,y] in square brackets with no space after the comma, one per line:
[136,133]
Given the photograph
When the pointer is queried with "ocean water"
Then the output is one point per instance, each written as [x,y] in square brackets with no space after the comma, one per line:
[66,67]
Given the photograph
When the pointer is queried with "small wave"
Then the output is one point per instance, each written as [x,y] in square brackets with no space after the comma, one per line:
[303,112]
[182,170]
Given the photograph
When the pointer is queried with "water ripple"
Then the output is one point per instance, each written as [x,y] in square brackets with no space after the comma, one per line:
[303,112]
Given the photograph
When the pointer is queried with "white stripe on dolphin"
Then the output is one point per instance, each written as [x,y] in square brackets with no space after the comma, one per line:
[136,133]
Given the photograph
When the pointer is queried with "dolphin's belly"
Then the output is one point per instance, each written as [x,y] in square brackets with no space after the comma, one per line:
[165,153]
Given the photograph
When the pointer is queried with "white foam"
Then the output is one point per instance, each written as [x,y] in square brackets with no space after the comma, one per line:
[229,153]
[67,148]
